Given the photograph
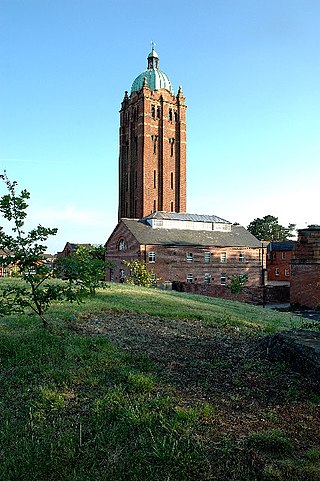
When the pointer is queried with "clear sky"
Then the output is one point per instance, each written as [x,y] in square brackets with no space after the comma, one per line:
[250,73]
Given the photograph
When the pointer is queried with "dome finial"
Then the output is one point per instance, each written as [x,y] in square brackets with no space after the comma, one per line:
[153,58]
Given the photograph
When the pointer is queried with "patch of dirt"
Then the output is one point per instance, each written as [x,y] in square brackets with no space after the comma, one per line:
[218,365]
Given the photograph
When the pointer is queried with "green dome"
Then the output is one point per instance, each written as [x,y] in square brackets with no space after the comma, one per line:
[156,79]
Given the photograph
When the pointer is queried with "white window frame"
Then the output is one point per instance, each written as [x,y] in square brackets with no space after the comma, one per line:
[189,257]
[283,256]
[152,257]
[207,278]
[223,278]
[241,257]
[111,270]
[207,257]
[277,271]
[223,257]
[287,272]
[190,278]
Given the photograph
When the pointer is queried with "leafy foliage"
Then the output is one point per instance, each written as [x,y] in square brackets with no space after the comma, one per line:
[84,269]
[25,251]
[139,274]
[267,228]
[237,283]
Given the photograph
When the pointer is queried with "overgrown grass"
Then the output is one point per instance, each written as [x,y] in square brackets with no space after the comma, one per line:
[77,408]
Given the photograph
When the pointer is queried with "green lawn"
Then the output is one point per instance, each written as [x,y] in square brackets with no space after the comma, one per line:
[75,407]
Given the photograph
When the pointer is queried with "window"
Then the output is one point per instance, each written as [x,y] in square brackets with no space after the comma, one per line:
[158,112]
[276,271]
[153,111]
[241,257]
[152,257]
[171,142]
[207,277]
[223,278]
[111,275]
[171,180]
[154,206]
[283,255]
[121,275]
[223,257]
[171,206]
[154,179]
[189,257]
[170,115]
[189,278]
[175,116]
[207,257]
[122,245]
[273,256]
[154,139]
[287,272]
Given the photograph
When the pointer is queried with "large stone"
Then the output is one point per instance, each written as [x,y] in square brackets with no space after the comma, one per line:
[300,349]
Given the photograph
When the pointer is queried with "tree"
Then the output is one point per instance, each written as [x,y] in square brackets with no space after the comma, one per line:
[237,283]
[84,269]
[139,274]
[267,228]
[26,250]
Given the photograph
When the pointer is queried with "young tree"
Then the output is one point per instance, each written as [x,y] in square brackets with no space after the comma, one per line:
[139,274]
[267,228]
[237,283]
[25,250]
[84,269]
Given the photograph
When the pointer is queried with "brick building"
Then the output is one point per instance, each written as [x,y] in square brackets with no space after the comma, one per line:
[305,269]
[152,146]
[185,248]
[70,248]
[153,224]
[279,256]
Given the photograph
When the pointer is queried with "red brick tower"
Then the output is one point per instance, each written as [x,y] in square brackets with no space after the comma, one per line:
[152,157]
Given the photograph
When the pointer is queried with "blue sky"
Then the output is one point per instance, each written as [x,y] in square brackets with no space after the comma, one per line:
[250,73]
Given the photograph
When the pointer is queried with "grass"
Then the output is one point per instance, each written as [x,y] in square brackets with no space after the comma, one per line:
[174,305]
[76,407]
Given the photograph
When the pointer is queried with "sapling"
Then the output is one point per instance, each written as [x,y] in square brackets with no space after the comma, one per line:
[25,251]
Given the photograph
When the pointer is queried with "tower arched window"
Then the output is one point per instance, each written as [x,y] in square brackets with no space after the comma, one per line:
[153,111]
[171,206]
[158,112]
[171,180]
[154,179]
[170,115]
[154,139]
[172,147]
[175,116]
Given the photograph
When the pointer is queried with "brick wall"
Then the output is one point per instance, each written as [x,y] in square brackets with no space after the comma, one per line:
[305,269]
[279,266]
[257,295]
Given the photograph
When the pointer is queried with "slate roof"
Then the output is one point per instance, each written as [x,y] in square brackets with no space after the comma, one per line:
[281,246]
[145,234]
[186,216]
